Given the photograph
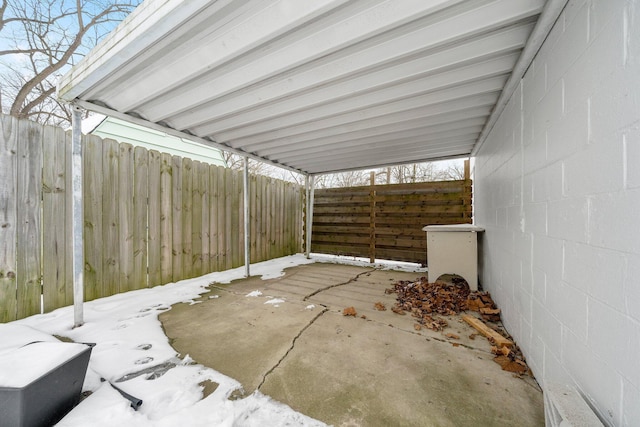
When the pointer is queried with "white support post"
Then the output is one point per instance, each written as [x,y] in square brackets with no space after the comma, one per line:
[310,191]
[77,217]
[247,210]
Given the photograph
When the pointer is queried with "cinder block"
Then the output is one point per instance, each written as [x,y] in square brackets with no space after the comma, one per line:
[549,110]
[632,286]
[579,82]
[598,168]
[534,83]
[613,338]
[565,136]
[548,255]
[515,217]
[597,271]
[548,182]
[613,221]
[524,340]
[571,42]
[539,284]
[523,246]
[631,141]
[535,357]
[601,14]
[599,382]
[527,126]
[535,154]
[553,368]
[535,215]
[630,407]
[608,335]
[546,327]
[614,105]
[573,9]
[567,219]
[524,302]
[572,316]
[527,188]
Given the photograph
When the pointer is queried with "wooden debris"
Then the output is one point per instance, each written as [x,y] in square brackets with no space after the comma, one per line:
[510,365]
[452,336]
[380,306]
[349,311]
[490,314]
[504,351]
[493,336]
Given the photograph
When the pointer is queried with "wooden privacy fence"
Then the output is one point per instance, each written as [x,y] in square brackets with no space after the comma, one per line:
[149,218]
[385,221]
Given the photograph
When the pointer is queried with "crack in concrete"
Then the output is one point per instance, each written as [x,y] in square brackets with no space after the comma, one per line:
[293,344]
[353,279]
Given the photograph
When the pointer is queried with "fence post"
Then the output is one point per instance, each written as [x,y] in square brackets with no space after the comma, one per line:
[466,192]
[372,217]
[247,211]
[77,216]
[310,189]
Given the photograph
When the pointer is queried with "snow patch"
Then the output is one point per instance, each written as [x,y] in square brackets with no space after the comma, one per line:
[255,293]
[126,329]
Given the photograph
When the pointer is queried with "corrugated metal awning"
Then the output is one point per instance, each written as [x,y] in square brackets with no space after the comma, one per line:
[315,86]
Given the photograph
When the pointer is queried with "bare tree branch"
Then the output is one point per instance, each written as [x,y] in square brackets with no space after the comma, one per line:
[45,37]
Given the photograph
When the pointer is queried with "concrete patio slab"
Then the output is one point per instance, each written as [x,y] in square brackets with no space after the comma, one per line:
[374,369]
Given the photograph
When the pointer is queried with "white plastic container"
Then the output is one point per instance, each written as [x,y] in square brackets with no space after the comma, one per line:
[453,249]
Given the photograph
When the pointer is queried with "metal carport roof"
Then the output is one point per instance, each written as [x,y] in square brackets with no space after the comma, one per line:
[316,86]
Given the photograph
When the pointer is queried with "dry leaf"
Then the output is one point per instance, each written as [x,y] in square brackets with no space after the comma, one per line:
[349,311]
[380,306]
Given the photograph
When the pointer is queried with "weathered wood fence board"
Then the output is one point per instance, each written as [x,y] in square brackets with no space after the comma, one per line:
[93,224]
[29,267]
[8,217]
[54,219]
[385,221]
[149,218]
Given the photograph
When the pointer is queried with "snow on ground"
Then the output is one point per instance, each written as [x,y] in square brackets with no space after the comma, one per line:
[133,354]
[409,267]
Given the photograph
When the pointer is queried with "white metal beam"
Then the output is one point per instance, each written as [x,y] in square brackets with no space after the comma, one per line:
[337,31]
[247,219]
[262,120]
[362,122]
[77,218]
[362,71]
[142,122]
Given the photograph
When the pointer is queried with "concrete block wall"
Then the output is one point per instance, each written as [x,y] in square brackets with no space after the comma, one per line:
[557,186]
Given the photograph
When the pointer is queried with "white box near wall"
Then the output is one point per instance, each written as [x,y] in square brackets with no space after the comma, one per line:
[453,249]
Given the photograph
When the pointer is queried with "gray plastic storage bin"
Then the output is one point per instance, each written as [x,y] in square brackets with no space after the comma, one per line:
[47,399]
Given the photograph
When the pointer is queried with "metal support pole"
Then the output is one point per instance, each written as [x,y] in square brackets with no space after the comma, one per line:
[77,217]
[247,230]
[310,190]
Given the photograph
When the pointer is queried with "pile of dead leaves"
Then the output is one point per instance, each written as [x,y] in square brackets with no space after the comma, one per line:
[426,300]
